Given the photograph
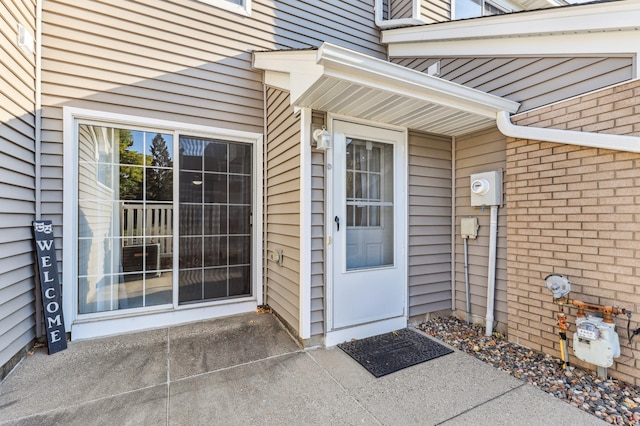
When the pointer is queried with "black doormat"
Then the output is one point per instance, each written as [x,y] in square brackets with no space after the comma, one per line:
[390,352]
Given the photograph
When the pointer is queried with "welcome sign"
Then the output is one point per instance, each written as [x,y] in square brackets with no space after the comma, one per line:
[50,285]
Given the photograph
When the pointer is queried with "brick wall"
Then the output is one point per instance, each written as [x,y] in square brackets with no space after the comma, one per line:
[575,211]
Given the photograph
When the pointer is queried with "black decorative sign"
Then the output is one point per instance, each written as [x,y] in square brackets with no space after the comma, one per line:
[50,285]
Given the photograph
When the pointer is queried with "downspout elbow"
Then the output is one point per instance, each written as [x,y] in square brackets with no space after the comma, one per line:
[571,137]
[385,24]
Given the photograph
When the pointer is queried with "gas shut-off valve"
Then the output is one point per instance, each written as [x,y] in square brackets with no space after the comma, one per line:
[558,285]
[595,340]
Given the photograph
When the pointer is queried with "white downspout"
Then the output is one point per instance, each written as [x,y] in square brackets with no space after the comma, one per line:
[395,23]
[570,137]
[38,111]
[491,273]
[263,182]
[453,223]
[38,147]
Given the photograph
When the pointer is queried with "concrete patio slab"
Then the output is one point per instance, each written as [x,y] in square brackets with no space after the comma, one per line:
[88,370]
[141,407]
[289,389]
[208,346]
[524,406]
[427,393]
[247,370]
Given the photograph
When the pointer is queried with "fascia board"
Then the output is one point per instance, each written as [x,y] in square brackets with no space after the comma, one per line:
[622,43]
[586,18]
[277,79]
[299,67]
[282,60]
[341,63]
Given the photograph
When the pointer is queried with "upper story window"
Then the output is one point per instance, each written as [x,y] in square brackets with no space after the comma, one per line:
[238,6]
[474,8]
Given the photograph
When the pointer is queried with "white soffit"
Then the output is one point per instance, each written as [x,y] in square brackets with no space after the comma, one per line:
[607,28]
[345,82]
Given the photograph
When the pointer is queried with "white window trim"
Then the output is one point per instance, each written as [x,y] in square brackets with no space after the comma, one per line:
[244,9]
[100,324]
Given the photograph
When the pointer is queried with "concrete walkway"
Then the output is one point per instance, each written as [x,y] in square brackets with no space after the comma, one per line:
[247,370]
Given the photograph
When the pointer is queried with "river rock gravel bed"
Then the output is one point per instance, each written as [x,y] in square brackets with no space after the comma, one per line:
[611,400]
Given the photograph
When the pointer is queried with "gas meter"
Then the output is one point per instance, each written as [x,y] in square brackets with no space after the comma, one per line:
[596,341]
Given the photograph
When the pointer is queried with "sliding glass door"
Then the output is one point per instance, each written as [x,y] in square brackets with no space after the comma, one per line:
[142,216]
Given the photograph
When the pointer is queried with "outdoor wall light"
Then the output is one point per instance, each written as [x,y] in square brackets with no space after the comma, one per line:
[322,138]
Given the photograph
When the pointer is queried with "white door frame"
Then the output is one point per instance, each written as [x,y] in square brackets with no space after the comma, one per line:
[334,336]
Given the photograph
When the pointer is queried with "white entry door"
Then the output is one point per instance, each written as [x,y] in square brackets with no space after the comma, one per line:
[368,224]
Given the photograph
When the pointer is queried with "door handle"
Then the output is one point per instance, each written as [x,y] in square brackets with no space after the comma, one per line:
[337,221]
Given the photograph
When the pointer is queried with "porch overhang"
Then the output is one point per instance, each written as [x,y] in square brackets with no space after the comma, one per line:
[599,28]
[345,82]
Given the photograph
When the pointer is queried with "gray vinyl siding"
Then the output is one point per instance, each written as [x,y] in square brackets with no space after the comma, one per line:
[401,9]
[318,194]
[282,208]
[475,153]
[17,189]
[533,82]
[432,11]
[429,223]
[184,61]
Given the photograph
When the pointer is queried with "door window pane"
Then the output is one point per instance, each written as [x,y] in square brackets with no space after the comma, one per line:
[240,189]
[225,235]
[369,206]
[190,254]
[215,188]
[215,156]
[125,214]
[239,220]
[190,285]
[159,184]
[191,187]
[239,280]
[216,219]
[240,159]
[215,283]
[216,251]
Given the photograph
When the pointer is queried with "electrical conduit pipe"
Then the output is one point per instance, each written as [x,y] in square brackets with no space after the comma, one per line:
[491,273]
[466,279]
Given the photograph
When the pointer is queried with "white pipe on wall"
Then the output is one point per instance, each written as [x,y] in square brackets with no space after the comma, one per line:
[491,273]
[570,137]
[453,224]
[466,280]
[38,150]
[38,112]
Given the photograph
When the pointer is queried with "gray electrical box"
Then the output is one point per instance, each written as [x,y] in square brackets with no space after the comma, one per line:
[469,227]
[486,189]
